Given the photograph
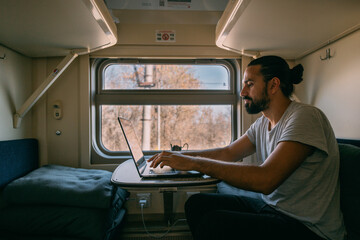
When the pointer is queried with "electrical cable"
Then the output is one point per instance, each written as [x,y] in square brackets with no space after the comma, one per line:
[153,235]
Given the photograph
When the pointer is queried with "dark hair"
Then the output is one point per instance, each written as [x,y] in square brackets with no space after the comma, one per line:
[274,66]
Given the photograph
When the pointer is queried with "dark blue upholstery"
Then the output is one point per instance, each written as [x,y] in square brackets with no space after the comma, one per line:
[63,202]
[350,187]
[55,202]
[53,184]
[17,158]
[349,141]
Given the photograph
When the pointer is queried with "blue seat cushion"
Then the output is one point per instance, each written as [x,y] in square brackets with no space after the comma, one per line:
[58,201]
[66,186]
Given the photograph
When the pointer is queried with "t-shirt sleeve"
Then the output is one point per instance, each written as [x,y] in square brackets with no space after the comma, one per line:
[307,126]
[251,132]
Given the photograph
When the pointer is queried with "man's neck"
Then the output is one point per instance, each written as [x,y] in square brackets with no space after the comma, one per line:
[276,110]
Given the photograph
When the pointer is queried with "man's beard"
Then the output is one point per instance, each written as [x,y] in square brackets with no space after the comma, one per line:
[256,106]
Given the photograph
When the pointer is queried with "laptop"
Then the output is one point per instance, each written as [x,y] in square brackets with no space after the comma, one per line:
[142,166]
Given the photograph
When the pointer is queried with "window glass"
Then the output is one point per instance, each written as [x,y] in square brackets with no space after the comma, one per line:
[158,127]
[166,76]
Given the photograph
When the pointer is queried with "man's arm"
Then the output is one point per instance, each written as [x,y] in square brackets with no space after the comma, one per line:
[237,150]
[283,161]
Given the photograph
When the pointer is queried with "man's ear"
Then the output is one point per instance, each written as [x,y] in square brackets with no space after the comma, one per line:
[274,85]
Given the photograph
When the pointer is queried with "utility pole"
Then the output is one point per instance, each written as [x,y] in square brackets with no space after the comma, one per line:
[146,134]
[159,129]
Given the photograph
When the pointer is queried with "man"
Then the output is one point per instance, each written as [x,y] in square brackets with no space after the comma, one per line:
[298,177]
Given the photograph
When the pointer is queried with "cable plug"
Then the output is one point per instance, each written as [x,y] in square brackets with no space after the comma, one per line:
[142,203]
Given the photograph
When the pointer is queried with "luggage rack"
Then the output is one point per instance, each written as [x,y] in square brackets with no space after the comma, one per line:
[50,32]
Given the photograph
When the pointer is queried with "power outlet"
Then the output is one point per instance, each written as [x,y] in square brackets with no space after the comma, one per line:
[143,196]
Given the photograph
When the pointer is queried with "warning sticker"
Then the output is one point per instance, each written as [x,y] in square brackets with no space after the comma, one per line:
[165,36]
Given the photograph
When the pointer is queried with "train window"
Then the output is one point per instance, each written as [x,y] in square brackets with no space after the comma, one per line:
[186,102]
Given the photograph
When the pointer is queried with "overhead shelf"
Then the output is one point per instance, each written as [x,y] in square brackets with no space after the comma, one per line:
[291,29]
[43,28]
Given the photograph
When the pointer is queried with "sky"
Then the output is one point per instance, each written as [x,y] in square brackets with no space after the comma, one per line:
[213,76]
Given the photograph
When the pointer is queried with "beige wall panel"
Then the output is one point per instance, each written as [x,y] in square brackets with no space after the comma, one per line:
[145,34]
[333,85]
[39,75]
[64,149]
[84,112]
[15,88]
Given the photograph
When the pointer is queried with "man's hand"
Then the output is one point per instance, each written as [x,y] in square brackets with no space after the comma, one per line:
[174,160]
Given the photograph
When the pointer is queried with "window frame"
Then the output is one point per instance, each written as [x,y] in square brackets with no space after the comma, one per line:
[100,96]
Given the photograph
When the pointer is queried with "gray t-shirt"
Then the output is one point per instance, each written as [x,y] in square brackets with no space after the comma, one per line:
[311,194]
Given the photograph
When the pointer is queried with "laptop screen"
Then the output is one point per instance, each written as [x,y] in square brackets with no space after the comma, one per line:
[133,143]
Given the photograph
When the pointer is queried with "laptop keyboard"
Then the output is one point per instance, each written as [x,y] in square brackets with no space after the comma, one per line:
[164,170]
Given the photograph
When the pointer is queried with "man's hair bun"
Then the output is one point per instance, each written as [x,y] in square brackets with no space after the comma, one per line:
[296,74]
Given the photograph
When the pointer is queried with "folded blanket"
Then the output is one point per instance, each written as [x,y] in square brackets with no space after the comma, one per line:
[67,186]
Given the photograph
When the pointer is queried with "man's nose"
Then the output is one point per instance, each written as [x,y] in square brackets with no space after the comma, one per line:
[243,92]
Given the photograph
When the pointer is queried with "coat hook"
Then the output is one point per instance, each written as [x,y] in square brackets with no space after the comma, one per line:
[3,57]
[328,56]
